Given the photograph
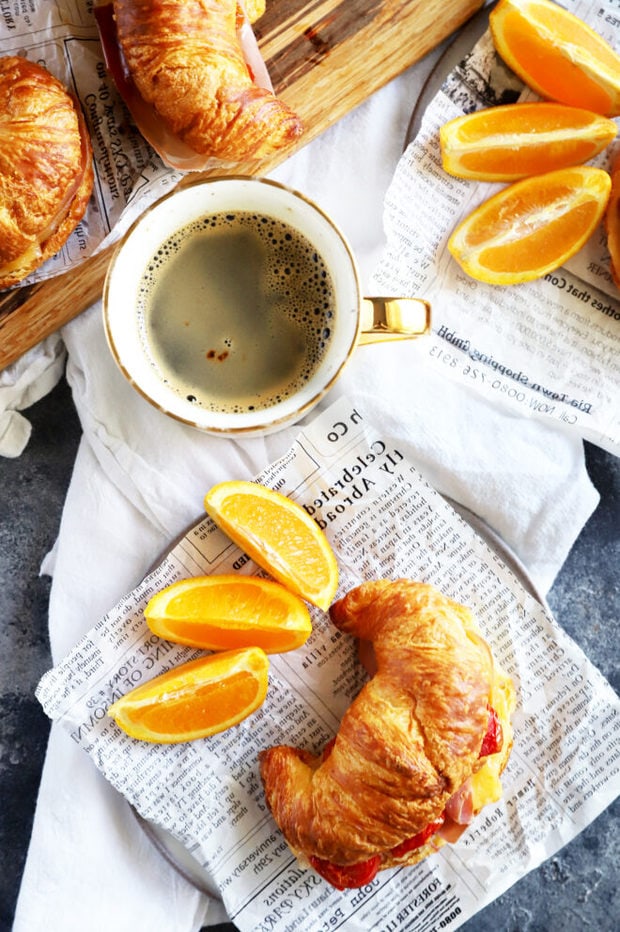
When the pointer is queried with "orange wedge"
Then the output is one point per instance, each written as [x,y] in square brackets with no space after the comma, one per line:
[612,223]
[196,699]
[532,226]
[557,54]
[222,612]
[279,535]
[517,140]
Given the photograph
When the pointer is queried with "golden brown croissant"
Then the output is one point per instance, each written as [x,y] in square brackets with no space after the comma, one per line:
[185,58]
[408,744]
[46,173]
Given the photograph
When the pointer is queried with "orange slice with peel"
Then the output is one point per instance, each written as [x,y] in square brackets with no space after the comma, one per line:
[227,611]
[557,55]
[279,535]
[516,140]
[532,226]
[196,699]
[612,223]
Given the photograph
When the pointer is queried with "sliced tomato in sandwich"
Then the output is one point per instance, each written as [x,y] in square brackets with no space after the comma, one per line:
[494,739]
[345,876]
[417,840]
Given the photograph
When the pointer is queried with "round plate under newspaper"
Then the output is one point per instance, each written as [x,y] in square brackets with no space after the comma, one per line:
[183,861]
[179,858]
[463,43]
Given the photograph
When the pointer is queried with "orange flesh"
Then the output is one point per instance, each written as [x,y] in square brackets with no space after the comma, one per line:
[279,535]
[531,226]
[233,604]
[528,163]
[516,140]
[528,118]
[222,612]
[551,71]
[294,542]
[196,699]
[203,707]
[541,50]
[539,249]
[229,635]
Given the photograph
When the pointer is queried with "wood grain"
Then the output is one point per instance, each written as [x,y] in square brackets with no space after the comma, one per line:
[325,57]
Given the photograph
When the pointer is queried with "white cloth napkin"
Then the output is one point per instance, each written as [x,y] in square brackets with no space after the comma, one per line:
[21,385]
[140,478]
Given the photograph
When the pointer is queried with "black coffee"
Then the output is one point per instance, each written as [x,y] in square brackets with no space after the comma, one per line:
[237,310]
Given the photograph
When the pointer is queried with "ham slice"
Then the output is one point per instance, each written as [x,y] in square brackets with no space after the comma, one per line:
[459,807]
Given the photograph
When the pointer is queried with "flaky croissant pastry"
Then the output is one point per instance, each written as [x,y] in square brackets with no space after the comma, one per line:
[186,60]
[46,173]
[400,776]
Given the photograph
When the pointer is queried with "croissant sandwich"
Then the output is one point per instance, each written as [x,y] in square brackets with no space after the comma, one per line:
[194,80]
[46,172]
[418,753]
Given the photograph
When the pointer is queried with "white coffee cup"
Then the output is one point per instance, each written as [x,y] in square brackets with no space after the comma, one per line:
[203,310]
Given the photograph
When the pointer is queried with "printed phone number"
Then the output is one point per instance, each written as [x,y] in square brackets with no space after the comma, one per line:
[476,374]
[447,920]
[546,405]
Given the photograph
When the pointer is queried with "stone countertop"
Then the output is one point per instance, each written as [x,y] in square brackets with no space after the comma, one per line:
[575,890]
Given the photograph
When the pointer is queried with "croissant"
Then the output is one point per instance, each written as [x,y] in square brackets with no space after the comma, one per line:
[407,745]
[46,172]
[185,58]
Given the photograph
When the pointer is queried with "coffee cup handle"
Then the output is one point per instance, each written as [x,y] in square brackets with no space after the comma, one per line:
[384,319]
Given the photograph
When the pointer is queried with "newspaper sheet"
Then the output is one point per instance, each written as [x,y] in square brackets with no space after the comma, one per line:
[548,349]
[384,521]
[62,36]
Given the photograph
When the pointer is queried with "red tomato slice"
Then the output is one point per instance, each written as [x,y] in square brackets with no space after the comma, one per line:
[416,841]
[494,738]
[344,876]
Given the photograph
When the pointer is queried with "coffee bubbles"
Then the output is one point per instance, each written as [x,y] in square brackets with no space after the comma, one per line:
[236,311]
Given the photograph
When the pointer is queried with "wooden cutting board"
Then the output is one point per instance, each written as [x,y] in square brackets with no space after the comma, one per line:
[324,57]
